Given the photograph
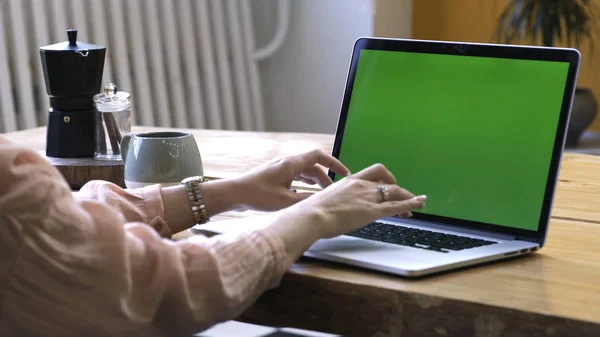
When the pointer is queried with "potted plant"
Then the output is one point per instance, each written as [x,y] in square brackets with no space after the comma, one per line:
[548,22]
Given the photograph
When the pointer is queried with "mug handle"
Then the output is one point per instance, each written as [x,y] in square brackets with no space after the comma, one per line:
[125,145]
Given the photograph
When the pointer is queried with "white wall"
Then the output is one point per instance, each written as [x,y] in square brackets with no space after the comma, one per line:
[303,82]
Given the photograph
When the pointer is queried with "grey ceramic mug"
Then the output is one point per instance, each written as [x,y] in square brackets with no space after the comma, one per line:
[163,158]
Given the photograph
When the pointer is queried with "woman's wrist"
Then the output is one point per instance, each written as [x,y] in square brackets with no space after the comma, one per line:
[298,228]
[178,214]
[221,195]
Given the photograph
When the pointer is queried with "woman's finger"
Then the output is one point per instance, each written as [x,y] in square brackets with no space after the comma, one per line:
[315,157]
[394,193]
[399,207]
[377,173]
[306,180]
[317,175]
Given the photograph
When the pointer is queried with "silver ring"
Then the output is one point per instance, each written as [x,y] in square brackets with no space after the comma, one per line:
[384,192]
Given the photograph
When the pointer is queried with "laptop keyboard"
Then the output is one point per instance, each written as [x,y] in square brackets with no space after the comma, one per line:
[417,238]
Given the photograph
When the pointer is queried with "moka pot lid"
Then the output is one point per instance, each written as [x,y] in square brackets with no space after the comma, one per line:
[72,45]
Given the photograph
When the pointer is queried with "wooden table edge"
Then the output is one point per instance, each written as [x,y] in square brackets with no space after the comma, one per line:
[385,312]
[298,279]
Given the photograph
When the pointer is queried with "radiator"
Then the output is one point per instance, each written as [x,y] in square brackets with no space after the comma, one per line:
[186,63]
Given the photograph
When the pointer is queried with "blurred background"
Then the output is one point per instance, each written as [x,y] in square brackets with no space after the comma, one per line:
[275,65]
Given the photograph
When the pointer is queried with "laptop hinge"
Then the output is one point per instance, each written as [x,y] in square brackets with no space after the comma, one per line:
[539,241]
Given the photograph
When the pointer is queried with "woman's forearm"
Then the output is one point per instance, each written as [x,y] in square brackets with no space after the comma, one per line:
[219,196]
[298,229]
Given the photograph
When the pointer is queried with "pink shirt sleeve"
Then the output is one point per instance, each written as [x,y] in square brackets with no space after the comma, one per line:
[93,262]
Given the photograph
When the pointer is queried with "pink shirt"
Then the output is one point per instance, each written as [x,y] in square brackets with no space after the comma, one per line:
[94,263]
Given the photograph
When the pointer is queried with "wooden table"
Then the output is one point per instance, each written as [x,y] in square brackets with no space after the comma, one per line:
[555,292]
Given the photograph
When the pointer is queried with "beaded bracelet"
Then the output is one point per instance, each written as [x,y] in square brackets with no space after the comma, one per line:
[195,198]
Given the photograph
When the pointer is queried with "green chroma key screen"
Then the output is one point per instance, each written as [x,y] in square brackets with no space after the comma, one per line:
[475,134]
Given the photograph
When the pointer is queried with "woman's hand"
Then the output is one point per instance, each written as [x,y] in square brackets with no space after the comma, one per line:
[267,187]
[349,204]
[356,201]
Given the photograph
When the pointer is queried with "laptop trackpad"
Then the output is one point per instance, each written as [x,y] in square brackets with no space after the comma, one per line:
[351,247]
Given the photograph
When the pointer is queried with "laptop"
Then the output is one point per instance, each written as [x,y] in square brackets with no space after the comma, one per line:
[478,128]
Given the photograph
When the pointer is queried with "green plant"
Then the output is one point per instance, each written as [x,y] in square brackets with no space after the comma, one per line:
[548,22]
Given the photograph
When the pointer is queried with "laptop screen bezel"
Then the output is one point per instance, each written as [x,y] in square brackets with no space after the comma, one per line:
[571,56]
